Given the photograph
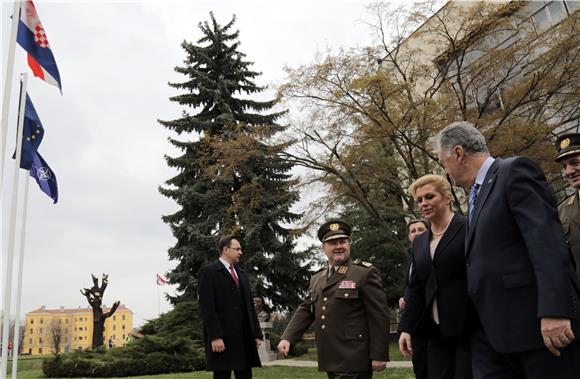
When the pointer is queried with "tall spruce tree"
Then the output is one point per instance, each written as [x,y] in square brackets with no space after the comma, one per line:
[231,177]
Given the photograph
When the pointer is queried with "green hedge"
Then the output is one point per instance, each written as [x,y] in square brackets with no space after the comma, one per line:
[171,343]
[148,356]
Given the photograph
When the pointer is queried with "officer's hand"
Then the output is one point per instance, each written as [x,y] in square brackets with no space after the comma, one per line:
[217,345]
[557,333]
[402,303]
[378,365]
[405,344]
[258,342]
[284,347]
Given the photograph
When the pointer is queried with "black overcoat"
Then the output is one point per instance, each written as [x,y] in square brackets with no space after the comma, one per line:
[228,312]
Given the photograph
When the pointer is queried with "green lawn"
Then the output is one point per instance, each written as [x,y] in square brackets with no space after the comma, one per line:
[278,372]
[31,368]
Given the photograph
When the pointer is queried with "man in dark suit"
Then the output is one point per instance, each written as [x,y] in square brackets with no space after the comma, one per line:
[568,146]
[348,305]
[231,330]
[523,289]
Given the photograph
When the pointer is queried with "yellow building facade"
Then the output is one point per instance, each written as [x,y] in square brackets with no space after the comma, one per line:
[72,329]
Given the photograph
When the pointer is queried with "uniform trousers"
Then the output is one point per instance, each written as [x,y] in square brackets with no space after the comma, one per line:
[238,374]
[535,364]
[350,375]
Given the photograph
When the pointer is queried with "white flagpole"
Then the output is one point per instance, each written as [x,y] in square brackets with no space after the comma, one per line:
[16,338]
[11,234]
[8,86]
[158,298]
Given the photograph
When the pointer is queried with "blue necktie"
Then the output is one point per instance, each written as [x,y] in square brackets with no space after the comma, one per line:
[472,198]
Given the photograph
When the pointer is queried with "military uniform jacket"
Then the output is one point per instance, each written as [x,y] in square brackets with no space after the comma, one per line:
[569,212]
[350,315]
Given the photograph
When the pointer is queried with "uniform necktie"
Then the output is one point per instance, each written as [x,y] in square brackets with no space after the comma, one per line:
[331,271]
[472,198]
[234,275]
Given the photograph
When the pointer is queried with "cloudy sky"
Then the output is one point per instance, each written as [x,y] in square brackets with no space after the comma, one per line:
[105,145]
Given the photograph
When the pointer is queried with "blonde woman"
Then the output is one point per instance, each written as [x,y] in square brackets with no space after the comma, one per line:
[437,292]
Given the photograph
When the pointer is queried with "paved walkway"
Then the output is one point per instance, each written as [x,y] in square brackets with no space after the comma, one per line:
[297,363]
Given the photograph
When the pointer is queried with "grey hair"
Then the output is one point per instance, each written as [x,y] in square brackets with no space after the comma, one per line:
[464,134]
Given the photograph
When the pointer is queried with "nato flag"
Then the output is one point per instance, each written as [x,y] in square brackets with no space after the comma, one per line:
[44,177]
[32,133]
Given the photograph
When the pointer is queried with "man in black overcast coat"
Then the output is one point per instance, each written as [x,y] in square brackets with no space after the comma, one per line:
[232,332]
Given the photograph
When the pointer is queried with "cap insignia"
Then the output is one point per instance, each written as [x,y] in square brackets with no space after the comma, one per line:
[334,227]
[564,143]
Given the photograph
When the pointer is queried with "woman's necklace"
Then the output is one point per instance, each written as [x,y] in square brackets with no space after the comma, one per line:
[444,230]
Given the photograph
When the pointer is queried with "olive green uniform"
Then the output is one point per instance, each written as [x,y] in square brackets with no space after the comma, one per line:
[350,315]
[569,211]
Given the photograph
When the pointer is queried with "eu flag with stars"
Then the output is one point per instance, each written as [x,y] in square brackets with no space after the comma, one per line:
[44,177]
[32,133]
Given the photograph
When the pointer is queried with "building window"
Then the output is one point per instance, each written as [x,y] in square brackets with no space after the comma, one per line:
[31,330]
[114,327]
[66,321]
[30,351]
[41,321]
[123,317]
[40,330]
[31,321]
[30,341]
[114,318]
[40,340]
[123,336]
[123,326]
[40,350]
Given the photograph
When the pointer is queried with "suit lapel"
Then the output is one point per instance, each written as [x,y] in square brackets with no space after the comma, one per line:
[225,272]
[447,237]
[486,188]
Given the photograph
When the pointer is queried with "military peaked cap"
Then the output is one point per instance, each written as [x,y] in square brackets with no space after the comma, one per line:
[567,144]
[333,229]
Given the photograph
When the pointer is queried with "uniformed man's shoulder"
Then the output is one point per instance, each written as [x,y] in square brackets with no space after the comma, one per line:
[567,201]
[319,272]
[364,264]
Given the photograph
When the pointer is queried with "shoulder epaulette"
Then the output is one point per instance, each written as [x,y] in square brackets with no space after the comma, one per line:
[362,263]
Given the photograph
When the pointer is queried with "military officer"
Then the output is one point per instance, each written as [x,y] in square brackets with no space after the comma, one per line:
[568,146]
[348,305]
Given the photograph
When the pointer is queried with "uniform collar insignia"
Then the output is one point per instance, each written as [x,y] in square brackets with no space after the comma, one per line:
[342,270]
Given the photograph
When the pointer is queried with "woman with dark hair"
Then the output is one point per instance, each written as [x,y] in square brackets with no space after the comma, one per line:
[437,292]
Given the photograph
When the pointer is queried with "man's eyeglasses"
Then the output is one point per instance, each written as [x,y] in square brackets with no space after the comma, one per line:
[238,249]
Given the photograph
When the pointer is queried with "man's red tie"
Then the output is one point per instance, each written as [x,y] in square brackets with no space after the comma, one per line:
[234,275]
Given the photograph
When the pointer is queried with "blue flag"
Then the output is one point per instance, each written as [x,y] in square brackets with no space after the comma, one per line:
[44,177]
[32,133]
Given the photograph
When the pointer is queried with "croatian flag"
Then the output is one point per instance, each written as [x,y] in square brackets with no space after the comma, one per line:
[161,281]
[32,38]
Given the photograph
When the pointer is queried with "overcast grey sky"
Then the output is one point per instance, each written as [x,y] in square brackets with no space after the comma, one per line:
[103,141]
